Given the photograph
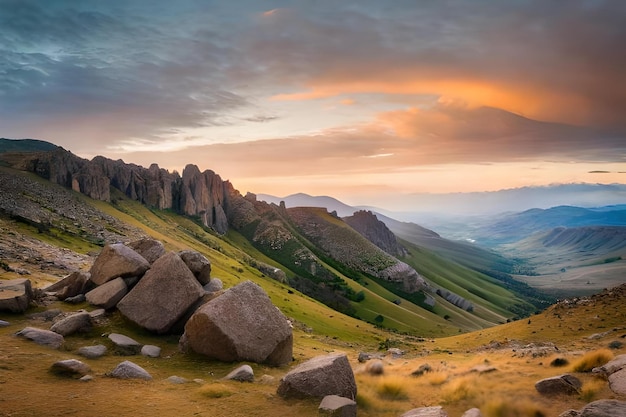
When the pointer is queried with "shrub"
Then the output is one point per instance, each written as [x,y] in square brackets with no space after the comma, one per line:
[616,344]
[460,389]
[436,378]
[392,388]
[591,388]
[592,360]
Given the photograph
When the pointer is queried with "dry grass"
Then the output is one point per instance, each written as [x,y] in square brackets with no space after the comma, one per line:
[513,408]
[392,388]
[461,389]
[436,378]
[592,360]
[592,388]
[216,390]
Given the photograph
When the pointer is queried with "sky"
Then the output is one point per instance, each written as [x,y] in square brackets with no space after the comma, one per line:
[366,101]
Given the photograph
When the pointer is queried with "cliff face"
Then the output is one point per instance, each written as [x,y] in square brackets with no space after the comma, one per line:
[368,225]
[201,194]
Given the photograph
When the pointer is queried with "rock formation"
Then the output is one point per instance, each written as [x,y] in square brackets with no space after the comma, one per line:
[368,225]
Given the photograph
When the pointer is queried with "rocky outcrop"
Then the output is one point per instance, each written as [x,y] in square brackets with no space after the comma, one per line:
[117,260]
[162,296]
[601,408]
[405,276]
[242,324]
[108,295]
[149,249]
[564,384]
[72,285]
[368,225]
[15,295]
[456,299]
[318,377]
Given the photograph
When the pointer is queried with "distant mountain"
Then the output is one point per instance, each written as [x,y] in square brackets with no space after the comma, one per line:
[305,200]
[25,145]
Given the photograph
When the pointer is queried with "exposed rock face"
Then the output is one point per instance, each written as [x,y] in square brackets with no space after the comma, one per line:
[79,322]
[130,370]
[563,384]
[42,337]
[108,295]
[242,324]
[70,367]
[117,260]
[15,295]
[202,194]
[319,377]
[70,286]
[198,264]
[368,225]
[405,275]
[150,249]
[456,299]
[163,295]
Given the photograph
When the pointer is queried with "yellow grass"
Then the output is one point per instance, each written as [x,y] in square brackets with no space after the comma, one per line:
[513,408]
[460,389]
[436,378]
[215,390]
[392,388]
[592,360]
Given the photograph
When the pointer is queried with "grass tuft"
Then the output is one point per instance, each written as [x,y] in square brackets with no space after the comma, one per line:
[216,391]
[436,378]
[392,388]
[460,389]
[518,408]
[592,360]
[591,389]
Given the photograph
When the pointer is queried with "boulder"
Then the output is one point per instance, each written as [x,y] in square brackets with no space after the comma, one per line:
[375,367]
[562,384]
[92,352]
[130,370]
[47,315]
[151,351]
[214,285]
[600,408]
[108,294]
[426,412]
[117,260]
[472,412]
[424,368]
[162,296]
[70,286]
[336,406]
[4,323]
[70,367]
[150,249]
[124,345]
[364,356]
[318,377]
[79,322]
[617,382]
[242,324]
[614,365]
[42,337]
[177,379]
[77,299]
[15,295]
[198,264]
[242,374]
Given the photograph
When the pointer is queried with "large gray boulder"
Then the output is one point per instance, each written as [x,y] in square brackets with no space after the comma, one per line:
[42,337]
[319,377]
[79,322]
[198,264]
[242,324]
[72,285]
[15,295]
[130,370]
[117,260]
[336,406]
[436,411]
[601,408]
[150,249]
[163,295]
[617,382]
[108,294]
[557,385]
[614,365]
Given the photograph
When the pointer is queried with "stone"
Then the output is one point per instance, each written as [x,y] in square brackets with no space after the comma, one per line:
[395,353]
[375,367]
[198,264]
[242,324]
[130,370]
[117,260]
[267,379]
[472,412]
[124,345]
[15,295]
[150,249]
[242,374]
[72,285]
[614,365]
[97,313]
[562,384]
[108,294]
[426,412]
[162,296]
[70,367]
[483,369]
[600,408]
[424,368]
[86,378]
[364,356]
[214,285]
[42,337]
[617,382]
[4,323]
[151,351]
[47,315]
[77,299]
[318,377]
[79,322]
[92,352]
[336,406]
[177,379]
[559,362]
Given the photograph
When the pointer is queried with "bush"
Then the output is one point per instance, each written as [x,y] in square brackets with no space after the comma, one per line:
[392,388]
[592,360]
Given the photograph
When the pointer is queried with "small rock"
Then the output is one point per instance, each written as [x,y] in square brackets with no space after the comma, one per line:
[70,286]
[199,381]
[47,315]
[242,374]
[473,412]
[77,299]
[426,412]
[151,351]
[124,345]
[70,367]
[130,370]
[86,378]
[92,352]
[79,322]
[395,353]
[364,356]
[177,379]
[375,367]
[422,370]
[214,285]
[4,323]
[267,379]
[559,362]
[42,337]
[336,406]
[563,384]
[483,369]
